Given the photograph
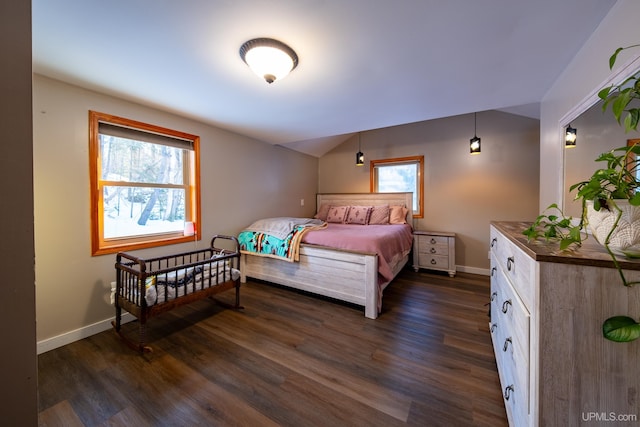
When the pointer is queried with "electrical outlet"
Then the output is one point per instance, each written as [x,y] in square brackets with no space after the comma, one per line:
[301,202]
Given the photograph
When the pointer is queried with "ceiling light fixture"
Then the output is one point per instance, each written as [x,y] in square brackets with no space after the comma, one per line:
[268,58]
[359,154]
[570,137]
[474,143]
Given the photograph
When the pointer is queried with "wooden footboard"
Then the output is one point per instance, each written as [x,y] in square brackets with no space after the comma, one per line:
[340,274]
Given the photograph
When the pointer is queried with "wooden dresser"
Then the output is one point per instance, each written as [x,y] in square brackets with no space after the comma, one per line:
[547,309]
[434,250]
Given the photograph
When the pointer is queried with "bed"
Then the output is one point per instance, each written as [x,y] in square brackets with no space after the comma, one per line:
[148,287]
[343,273]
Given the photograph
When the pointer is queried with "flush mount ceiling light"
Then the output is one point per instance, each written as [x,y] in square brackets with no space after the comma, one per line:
[570,137]
[268,58]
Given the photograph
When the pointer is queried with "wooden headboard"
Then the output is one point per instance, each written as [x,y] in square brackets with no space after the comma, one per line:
[368,199]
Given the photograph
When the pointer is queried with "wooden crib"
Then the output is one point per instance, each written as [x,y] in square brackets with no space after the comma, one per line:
[148,287]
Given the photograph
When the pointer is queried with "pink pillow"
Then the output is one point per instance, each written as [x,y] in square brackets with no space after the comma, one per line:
[358,214]
[322,212]
[398,215]
[379,215]
[337,214]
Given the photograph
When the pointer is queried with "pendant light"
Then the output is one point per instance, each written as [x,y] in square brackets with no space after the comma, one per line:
[474,143]
[359,154]
[570,137]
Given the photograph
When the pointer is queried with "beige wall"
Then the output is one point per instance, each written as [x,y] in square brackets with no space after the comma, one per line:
[18,364]
[242,180]
[463,193]
[578,86]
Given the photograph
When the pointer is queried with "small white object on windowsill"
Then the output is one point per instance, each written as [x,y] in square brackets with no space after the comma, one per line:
[189,228]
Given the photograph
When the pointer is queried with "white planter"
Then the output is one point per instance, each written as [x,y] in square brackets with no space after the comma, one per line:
[625,239]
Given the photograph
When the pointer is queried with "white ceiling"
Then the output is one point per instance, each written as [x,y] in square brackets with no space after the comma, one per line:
[363,64]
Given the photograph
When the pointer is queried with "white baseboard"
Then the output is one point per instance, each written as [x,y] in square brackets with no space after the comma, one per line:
[78,334]
[473,270]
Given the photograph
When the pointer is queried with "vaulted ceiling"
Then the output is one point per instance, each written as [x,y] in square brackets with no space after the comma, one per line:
[363,64]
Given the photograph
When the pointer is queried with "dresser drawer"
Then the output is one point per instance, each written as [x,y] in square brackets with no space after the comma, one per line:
[511,319]
[514,321]
[510,334]
[515,395]
[516,265]
[515,402]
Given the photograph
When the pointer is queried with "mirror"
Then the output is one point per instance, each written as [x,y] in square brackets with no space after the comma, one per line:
[597,132]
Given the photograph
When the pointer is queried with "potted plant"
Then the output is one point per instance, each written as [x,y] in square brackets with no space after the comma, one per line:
[610,198]
[610,202]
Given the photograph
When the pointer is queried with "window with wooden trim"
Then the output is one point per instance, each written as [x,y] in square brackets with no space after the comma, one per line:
[145,188]
[404,174]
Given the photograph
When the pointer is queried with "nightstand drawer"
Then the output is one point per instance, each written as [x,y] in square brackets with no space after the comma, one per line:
[426,247]
[433,261]
[430,240]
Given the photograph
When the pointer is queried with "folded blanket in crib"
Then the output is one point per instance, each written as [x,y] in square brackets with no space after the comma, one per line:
[165,287]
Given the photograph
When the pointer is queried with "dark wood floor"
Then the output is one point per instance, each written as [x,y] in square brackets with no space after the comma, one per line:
[290,359]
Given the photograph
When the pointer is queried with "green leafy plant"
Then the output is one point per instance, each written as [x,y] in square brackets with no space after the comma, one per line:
[553,225]
[621,95]
[621,329]
[616,180]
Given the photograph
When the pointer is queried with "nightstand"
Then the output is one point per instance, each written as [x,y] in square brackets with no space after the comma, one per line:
[434,250]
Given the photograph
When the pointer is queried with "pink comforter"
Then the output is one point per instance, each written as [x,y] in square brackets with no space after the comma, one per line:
[390,241]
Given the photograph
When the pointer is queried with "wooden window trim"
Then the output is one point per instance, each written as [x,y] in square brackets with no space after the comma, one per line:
[411,159]
[193,211]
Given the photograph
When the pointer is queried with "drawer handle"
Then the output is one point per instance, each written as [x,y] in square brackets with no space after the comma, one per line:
[494,241]
[510,263]
[506,344]
[433,261]
[505,305]
[494,295]
[433,250]
[508,391]
[433,241]
[492,270]
[494,326]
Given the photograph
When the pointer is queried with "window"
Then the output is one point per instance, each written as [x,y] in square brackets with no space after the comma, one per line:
[400,175]
[145,189]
